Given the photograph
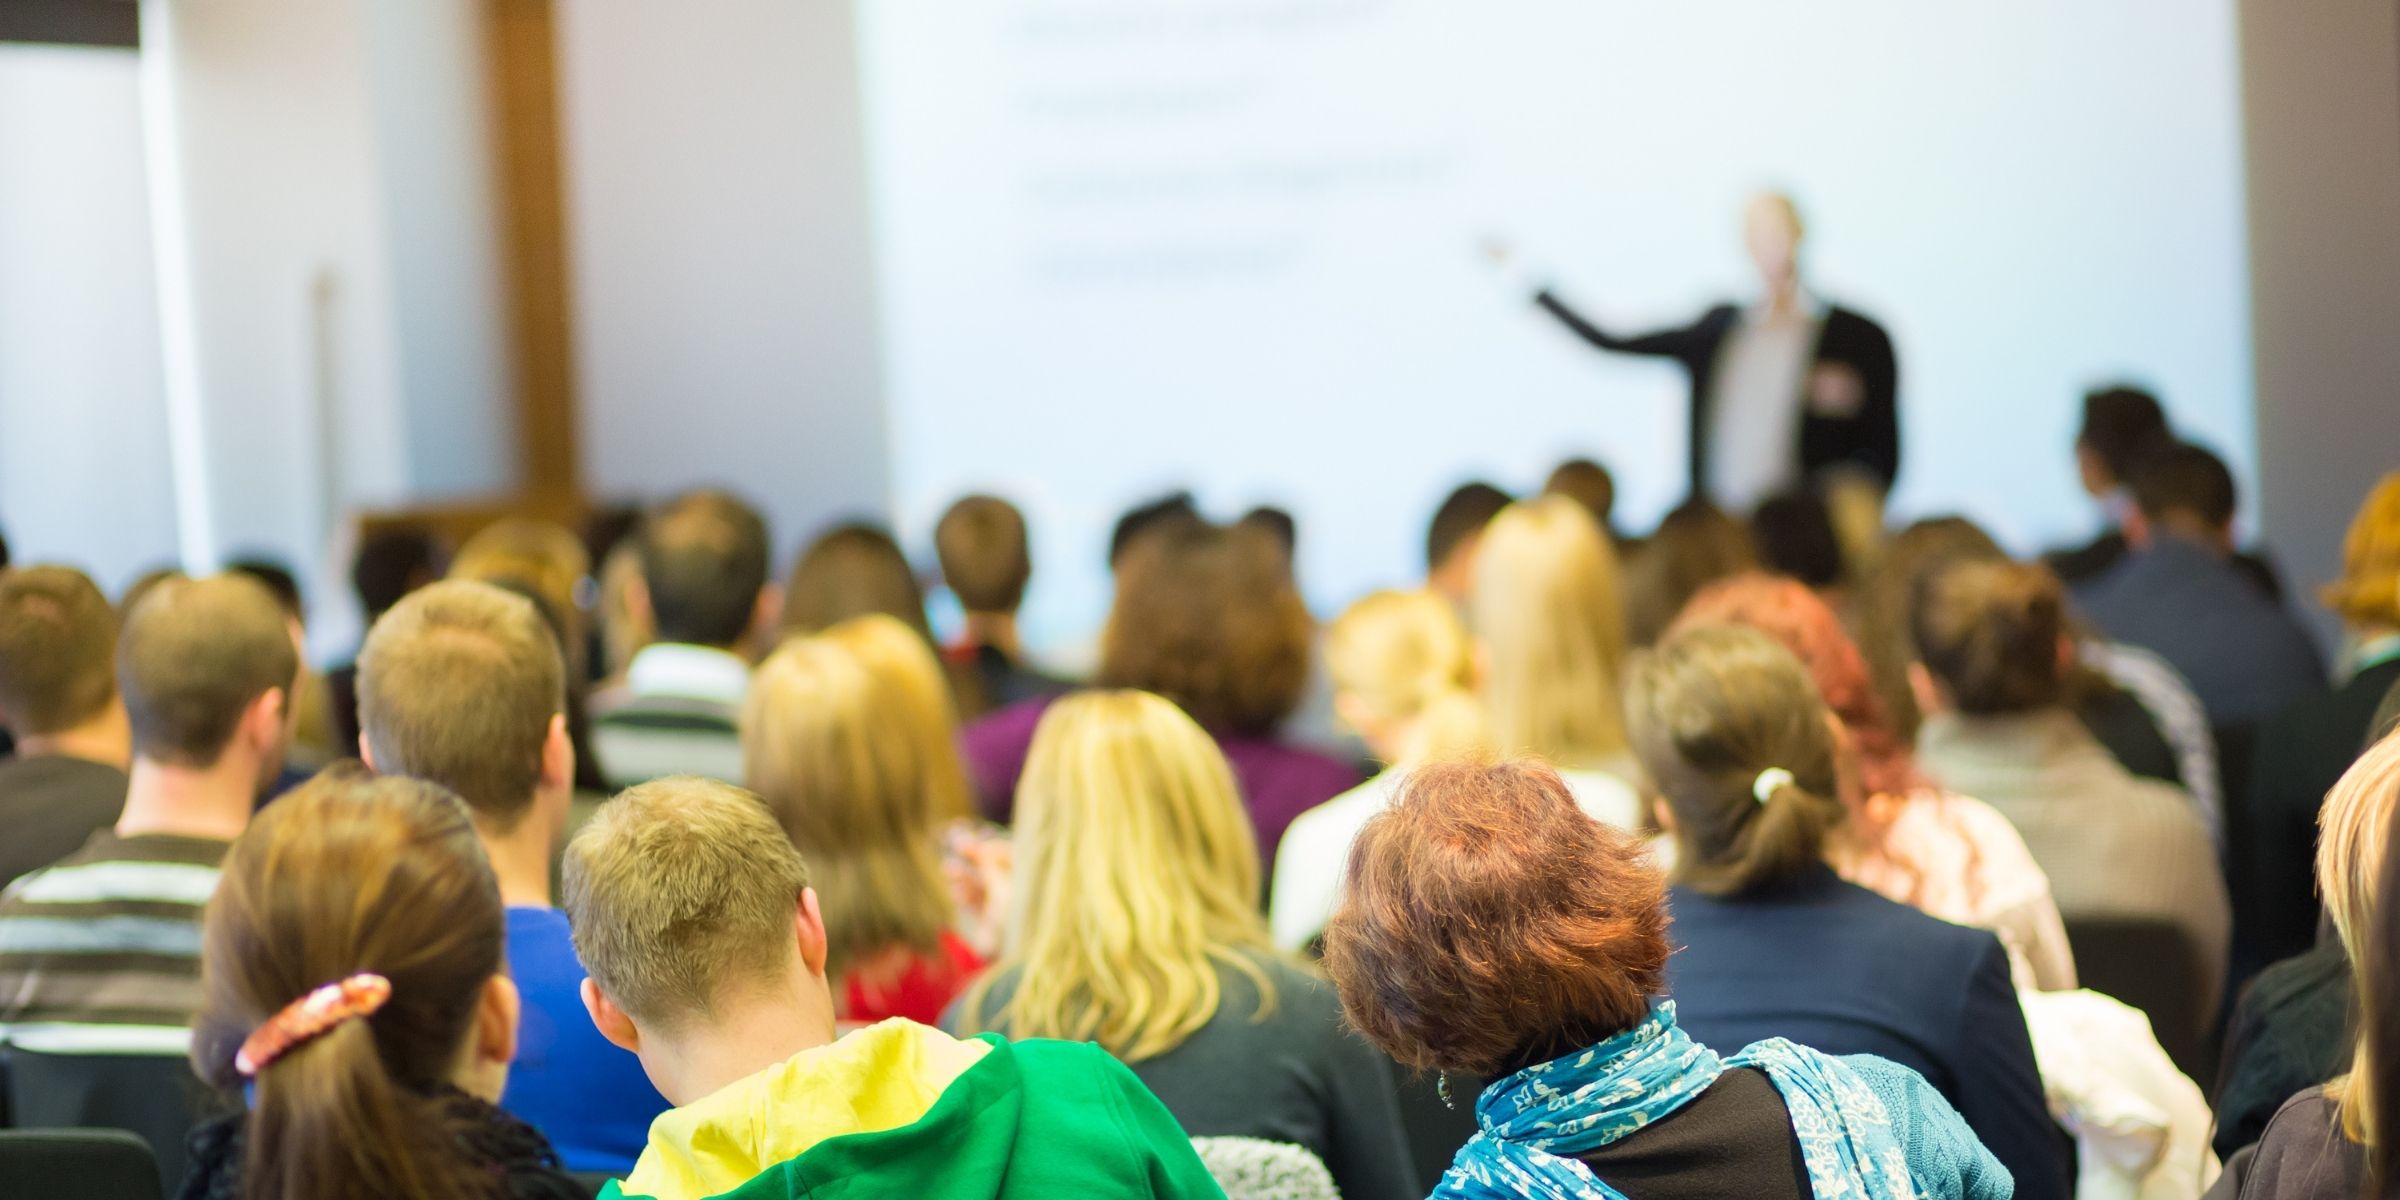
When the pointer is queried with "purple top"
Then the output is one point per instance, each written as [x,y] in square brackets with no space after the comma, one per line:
[1279,781]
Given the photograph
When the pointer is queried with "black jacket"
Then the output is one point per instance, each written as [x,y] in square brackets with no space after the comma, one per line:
[1868,439]
[515,1160]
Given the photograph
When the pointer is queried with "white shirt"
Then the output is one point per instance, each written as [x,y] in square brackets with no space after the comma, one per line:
[1754,404]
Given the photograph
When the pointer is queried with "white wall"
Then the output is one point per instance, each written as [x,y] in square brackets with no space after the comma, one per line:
[83,443]
[717,214]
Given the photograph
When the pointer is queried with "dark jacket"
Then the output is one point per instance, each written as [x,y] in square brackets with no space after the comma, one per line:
[2290,1032]
[1840,969]
[2302,1157]
[2244,655]
[1868,439]
[516,1157]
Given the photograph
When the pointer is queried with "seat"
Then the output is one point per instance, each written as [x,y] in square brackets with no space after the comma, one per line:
[2151,964]
[76,1164]
[1256,1169]
[155,1097]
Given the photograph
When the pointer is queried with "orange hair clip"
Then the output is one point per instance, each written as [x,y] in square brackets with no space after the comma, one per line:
[308,1017]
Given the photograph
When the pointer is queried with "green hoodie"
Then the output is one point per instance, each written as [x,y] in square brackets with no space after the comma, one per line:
[898,1109]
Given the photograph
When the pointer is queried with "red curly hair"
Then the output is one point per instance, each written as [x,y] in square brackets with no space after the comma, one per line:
[1786,610]
[1487,924]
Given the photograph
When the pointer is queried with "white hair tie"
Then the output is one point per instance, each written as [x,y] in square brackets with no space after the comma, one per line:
[1769,782]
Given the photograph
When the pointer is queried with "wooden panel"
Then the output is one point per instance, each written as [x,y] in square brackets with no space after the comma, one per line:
[524,75]
[71,22]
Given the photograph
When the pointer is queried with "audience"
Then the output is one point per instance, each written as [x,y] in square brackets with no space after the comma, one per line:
[1487,930]
[1207,616]
[356,986]
[1403,677]
[1589,484]
[986,561]
[834,752]
[100,952]
[2177,594]
[1137,927]
[707,948]
[58,694]
[1695,545]
[463,685]
[1455,533]
[1775,944]
[703,588]
[1901,836]
[387,566]
[1994,644]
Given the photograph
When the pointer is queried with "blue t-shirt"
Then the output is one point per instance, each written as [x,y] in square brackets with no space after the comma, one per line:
[589,1097]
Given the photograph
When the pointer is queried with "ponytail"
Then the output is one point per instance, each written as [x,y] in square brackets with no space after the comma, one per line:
[329,1119]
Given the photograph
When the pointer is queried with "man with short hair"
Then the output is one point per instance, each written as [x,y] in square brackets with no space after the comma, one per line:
[2119,422]
[100,952]
[58,695]
[704,587]
[985,559]
[2179,595]
[707,952]
[462,684]
[1456,531]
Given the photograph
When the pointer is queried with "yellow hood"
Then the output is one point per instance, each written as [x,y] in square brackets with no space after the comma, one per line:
[879,1078]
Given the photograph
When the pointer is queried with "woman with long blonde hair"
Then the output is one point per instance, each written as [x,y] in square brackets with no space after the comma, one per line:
[1548,615]
[1135,925]
[830,747]
[919,694]
[1403,679]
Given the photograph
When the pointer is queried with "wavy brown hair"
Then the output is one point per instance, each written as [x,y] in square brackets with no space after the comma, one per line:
[1209,617]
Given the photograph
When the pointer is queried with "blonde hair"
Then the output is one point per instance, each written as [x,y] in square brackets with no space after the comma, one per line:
[2368,593]
[2353,831]
[679,891]
[830,751]
[918,693]
[541,556]
[1405,658]
[1550,614]
[1137,879]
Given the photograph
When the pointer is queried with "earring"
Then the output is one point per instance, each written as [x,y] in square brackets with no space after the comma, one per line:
[1441,1087]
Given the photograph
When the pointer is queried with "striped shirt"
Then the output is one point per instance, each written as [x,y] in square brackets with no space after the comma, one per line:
[100,953]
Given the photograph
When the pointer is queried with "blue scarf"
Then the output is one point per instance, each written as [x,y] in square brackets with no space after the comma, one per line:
[1533,1124]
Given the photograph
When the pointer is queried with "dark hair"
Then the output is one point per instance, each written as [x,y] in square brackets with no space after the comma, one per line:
[2117,422]
[1696,545]
[1794,536]
[392,564]
[1886,606]
[1462,515]
[1144,517]
[1586,483]
[58,647]
[3,550]
[1709,712]
[1208,616]
[350,874]
[2179,477]
[704,561]
[985,555]
[1989,631]
[277,579]
[1278,524]
[851,570]
[1486,924]
[192,656]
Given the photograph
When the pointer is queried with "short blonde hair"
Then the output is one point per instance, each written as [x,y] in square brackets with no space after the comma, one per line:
[830,750]
[1405,657]
[2353,834]
[1137,879]
[679,891]
[1549,610]
[458,684]
[917,694]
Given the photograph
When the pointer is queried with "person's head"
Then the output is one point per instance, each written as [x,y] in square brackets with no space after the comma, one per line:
[625,622]
[1802,623]
[915,693]
[462,684]
[1696,545]
[1457,529]
[2181,489]
[689,906]
[205,667]
[1731,731]
[391,564]
[1486,924]
[2118,422]
[2353,841]
[142,585]
[543,556]
[1276,523]
[1549,621]
[2367,596]
[1992,637]
[1586,483]
[1209,617]
[58,646]
[848,571]
[1404,676]
[1137,878]
[1772,231]
[704,569]
[1795,536]
[1139,520]
[349,876]
[1886,603]
[279,581]
[830,750]
[984,552]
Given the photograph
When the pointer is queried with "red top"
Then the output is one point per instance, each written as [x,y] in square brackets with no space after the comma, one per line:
[923,988]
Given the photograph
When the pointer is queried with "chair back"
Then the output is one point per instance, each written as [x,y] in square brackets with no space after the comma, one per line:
[2150,963]
[76,1164]
[1255,1169]
[155,1097]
